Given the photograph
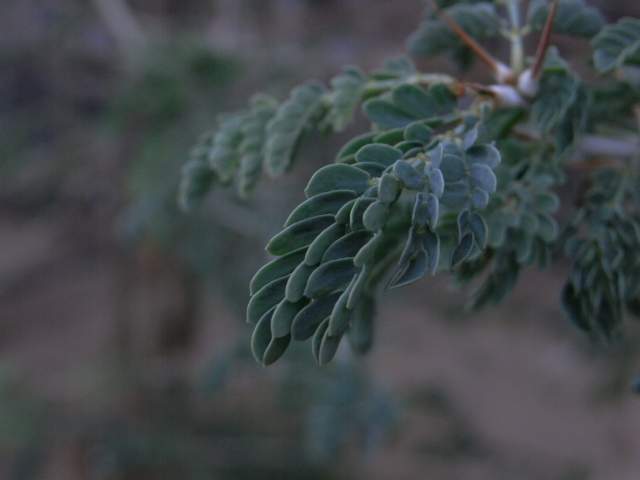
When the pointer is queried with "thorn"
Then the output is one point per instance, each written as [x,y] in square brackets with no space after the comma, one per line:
[502,72]
[545,38]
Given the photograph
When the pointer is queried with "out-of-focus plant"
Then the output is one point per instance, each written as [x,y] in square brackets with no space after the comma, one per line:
[453,176]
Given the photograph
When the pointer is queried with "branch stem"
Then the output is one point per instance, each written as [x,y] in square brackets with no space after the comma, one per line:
[545,38]
[517,47]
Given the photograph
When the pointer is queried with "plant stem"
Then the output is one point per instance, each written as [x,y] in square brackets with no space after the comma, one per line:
[545,38]
[517,48]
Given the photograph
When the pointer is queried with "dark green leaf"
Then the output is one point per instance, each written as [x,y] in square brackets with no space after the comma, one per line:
[381,154]
[293,117]
[275,269]
[385,114]
[337,177]
[297,283]
[375,216]
[321,204]
[265,299]
[310,317]
[462,250]
[319,246]
[283,316]
[347,246]
[261,336]
[330,276]
[389,188]
[408,175]
[298,235]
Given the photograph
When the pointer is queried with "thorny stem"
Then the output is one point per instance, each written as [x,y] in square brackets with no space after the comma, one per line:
[501,71]
[517,48]
[545,38]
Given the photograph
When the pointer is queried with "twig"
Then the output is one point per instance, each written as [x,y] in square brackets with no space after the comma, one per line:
[502,72]
[517,48]
[543,44]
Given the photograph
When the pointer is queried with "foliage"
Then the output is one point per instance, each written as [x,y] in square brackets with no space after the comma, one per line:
[452,176]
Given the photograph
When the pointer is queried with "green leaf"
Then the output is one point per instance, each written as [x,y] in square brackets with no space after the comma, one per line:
[367,253]
[328,348]
[408,175]
[436,182]
[390,137]
[251,148]
[373,169]
[294,116]
[375,216]
[340,316]
[275,269]
[299,234]
[431,245]
[418,132]
[385,114]
[265,299]
[557,94]
[414,101]
[573,17]
[462,250]
[283,316]
[337,177]
[357,212]
[483,154]
[479,199]
[617,44]
[319,246]
[389,188]
[261,336]
[347,90]
[383,155]
[416,269]
[479,228]
[321,204]
[483,177]
[310,317]
[453,168]
[224,154]
[347,246]
[547,202]
[297,283]
[276,348]
[417,102]
[357,287]
[344,214]
[355,144]
[197,180]
[316,341]
[421,214]
[330,276]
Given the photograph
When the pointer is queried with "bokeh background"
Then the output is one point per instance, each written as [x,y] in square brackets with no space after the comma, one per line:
[123,350]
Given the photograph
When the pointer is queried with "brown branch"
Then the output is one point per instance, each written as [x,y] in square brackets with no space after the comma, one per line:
[545,38]
[483,54]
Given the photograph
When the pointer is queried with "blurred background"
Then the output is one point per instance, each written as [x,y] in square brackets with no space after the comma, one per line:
[123,348]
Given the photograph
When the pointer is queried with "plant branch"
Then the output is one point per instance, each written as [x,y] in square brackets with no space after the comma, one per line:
[501,71]
[545,38]
[517,47]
